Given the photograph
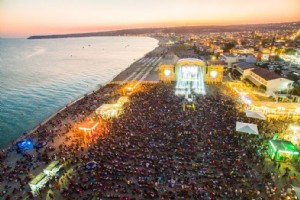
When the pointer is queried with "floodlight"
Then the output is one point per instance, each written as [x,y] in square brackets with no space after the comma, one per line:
[213,74]
[167,72]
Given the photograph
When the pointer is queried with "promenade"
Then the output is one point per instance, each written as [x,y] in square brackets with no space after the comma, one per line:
[144,69]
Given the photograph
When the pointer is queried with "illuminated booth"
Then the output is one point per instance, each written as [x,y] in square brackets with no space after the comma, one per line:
[43,178]
[281,150]
[107,111]
[24,145]
[123,100]
[52,168]
[129,88]
[38,182]
[88,127]
[277,109]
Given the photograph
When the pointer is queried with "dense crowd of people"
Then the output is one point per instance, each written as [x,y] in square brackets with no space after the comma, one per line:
[17,170]
[154,150]
[157,151]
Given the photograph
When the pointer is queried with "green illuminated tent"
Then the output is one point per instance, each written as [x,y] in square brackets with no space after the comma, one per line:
[281,150]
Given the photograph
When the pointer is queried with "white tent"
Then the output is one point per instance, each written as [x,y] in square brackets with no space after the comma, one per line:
[257,115]
[297,191]
[246,128]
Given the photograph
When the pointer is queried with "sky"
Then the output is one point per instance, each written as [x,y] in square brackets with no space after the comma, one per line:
[22,18]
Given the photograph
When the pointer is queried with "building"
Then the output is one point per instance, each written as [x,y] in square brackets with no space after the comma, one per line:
[243,69]
[269,79]
[249,58]
[242,51]
[229,59]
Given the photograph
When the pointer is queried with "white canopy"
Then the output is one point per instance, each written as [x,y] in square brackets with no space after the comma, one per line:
[257,115]
[246,128]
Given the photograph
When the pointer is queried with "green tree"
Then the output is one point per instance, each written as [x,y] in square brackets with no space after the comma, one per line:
[263,87]
[290,51]
[292,77]
[228,46]
[296,90]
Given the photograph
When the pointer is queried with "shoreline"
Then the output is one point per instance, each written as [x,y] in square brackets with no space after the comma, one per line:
[31,131]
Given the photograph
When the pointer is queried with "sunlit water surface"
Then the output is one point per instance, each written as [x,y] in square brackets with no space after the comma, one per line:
[38,77]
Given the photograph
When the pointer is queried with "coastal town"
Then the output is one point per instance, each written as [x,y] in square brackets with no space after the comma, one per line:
[213,115]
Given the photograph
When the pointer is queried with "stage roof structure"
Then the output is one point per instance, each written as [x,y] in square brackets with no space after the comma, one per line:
[52,168]
[88,126]
[283,146]
[122,100]
[256,115]
[107,111]
[38,182]
[282,150]
[246,128]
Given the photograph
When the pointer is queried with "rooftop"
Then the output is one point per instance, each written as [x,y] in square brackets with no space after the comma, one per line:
[88,125]
[216,62]
[244,65]
[38,178]
[266,74]
[283,145]
[52,165]
[229,55]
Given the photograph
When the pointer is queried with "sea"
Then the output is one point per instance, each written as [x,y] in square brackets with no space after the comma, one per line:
[39,77]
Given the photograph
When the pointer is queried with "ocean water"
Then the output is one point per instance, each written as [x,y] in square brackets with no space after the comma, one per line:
[38,77]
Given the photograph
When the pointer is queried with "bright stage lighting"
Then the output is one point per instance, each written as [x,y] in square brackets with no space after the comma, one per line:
[167,72]
[190,79]
[213,74]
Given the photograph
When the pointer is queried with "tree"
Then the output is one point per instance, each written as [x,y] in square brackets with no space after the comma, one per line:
[296,90]
[228,46]
[196,49]
[290,51]
[277,71]
[292,77]
[263,87]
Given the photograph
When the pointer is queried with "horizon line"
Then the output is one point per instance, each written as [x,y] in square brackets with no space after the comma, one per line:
[152,27]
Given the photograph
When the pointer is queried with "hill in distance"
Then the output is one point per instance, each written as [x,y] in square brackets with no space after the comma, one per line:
[177,30]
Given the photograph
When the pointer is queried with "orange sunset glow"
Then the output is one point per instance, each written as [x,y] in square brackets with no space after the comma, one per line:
[19,18]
